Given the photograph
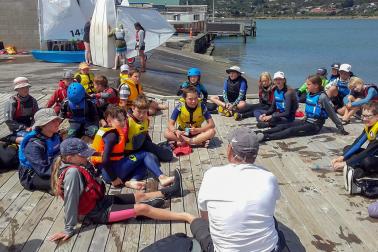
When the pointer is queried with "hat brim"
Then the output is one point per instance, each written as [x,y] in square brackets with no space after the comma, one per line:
[21,85]
[87,153]
[233,70]
[43,122]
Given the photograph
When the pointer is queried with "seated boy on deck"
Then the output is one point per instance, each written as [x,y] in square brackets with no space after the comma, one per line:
[81,112]
[189,117]
[137,126]
[19,111]
[359,162]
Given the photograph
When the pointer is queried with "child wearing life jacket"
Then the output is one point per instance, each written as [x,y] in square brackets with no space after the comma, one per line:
[130,90]
[360,94]
[284,106]
[38,150]
[19,110]
[190,117]
[334,72]
[266,96]
[194,78]
[302,90]
[85,78]
[60,94]
[318,109]
[234,92]
[138,138]
[104,95]
[338,89]
[116,168]
[81,112]
[76,181]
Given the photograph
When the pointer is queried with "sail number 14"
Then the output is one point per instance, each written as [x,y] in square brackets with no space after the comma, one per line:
[76,32]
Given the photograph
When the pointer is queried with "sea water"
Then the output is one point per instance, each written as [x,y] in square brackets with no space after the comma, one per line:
[299,47]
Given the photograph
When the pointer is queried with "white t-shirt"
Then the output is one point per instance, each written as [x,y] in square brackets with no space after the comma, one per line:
[240,201]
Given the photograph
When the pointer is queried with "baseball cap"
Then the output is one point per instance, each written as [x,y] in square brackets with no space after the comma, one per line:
[234,69]
[21,82]
[336,66]
[279,75]
[345,68]
[44,116]
[73,146]
[125,67]
[68,74]
[244,141]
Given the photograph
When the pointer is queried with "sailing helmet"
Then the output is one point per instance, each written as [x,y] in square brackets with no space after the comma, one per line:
[194,72]
[75,92]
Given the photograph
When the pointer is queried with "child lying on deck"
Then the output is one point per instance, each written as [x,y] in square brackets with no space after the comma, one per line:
[75,181]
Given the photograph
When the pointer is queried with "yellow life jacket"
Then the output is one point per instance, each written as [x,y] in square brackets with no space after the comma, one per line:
[371,132]
[98,145]
[135,90]
[123,78]
[188,119]
[87,81]
[137,133]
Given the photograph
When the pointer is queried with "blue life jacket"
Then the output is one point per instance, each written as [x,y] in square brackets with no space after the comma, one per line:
[52,146]
[279,97]
[78,111]
[313,108]
[343,87]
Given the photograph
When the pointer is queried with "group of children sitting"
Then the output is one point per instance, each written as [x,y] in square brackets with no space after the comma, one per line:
[115,121]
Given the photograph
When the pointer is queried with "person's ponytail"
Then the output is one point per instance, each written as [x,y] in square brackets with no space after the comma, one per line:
[54,175]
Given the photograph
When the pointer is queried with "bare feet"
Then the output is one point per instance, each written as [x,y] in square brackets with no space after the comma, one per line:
[134,184]
[165,181]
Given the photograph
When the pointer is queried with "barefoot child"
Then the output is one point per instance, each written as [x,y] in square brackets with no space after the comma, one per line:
[109,144]
[83,192]
[189,117]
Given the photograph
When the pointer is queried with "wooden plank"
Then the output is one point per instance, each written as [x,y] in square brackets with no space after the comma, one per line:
[44,225]
[27,228]
[8,184]
[11,196]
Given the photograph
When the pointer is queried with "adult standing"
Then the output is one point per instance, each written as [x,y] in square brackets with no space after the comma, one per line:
[140,45]
[38,150]
[241,217]
[120,44]
[87,28]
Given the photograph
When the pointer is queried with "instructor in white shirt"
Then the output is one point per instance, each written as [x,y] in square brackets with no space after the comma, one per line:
[237,202]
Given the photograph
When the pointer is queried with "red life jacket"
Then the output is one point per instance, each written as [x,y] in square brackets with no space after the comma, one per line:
[21,115]
[92,193]
[115,98]
[366,90]
[270,96]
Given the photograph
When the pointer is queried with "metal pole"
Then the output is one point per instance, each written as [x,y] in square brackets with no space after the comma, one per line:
[213,11]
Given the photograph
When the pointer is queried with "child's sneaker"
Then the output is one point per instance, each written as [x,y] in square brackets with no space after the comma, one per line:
[353,187]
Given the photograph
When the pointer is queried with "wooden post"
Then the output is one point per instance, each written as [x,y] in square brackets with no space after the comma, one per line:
[244,37]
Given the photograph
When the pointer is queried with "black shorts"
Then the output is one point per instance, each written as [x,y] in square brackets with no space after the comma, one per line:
[142,48]
[230,101]
[110,203]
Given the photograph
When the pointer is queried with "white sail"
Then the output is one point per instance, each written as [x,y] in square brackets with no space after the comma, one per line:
[87,7]
[61,20]
[158,30]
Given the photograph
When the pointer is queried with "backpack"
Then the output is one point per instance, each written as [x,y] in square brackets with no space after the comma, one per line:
[8,156]
[179,242]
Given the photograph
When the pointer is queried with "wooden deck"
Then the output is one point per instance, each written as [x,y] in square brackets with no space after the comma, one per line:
[314,212]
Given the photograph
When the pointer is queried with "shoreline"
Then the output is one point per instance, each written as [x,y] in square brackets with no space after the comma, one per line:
[304,17]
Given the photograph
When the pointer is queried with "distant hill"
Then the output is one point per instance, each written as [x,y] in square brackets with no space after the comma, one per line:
[240,8]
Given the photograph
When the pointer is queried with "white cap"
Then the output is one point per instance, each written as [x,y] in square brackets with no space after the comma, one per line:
[345,68]
[234,68]
[125,67]
[21,82]
[279,75]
